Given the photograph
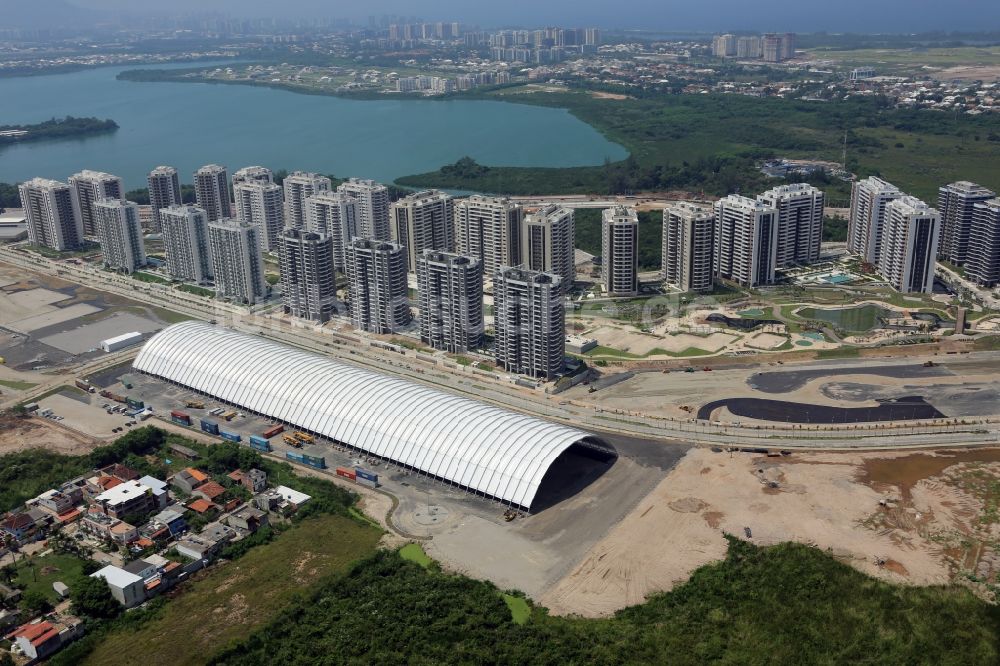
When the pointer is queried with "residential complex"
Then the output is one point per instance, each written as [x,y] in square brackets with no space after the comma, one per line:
[869,198]
[450,292]
[620,251]
[164,191]
[211,189]
[237,267]
[298,187]
[120,234]
[261,204]
[770,47]
[376,278]
[90,187]
[800,222]
[529,322]
[52,215]
[956,203]
[335,215]
[423,221]
[746,241]
[688,246]
[373,207]
[909,245]
[185,243]
[983,265]
[489,229]
[252,174]
[548,241]
[308,280]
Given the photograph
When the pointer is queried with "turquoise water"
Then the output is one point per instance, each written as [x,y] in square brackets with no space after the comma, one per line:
[815,335]
[803,343]
[187,125]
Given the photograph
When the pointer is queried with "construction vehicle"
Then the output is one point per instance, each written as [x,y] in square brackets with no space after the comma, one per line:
[292,441]
[929,364]
[509,515]
[194,404]
[229,416]
[303,437]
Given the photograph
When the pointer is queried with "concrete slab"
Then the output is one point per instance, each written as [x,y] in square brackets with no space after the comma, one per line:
[85,338]
[53,316]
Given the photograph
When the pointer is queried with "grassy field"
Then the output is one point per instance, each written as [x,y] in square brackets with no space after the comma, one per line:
[149,277]
[412,552]
[196,290]
[232,600]
[16,385]
[38,573]
[911,60]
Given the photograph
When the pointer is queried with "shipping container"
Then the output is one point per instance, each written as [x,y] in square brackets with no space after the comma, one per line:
[260,445]
[83,384]
[179,421]
[133,412]
[180,417]
[145,415]
[346,473]
[367,482]
[257,439]
[31,407]
[116,397]
[231,436]
[314,461]
[210,427]
[135,404]
[271,432]
[292,455]
[365,474]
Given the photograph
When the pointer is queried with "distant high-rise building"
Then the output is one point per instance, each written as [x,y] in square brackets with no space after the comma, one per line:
[376,278]
[92,186]
[529,321]
[185,243]
[299,186]
[724,46]
[236,261]
[956,203]
[746,241]
[620,251]
[335,215]
[788,46]
[52,214]
[120,234]
[547,243]
[373,207]
[308,280]
[772,48]
[688,246]
[423,221]
[489,229]
[909,245]
[983,264]
[211,189]
[869,198]
[592,37]
[164,191]
[261,204]
[252,174]
[749,47]
[800,222]
[450,290]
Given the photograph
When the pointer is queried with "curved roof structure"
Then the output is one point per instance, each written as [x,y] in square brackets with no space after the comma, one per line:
[486,449]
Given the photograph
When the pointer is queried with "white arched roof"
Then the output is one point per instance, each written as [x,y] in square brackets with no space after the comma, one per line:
[484,448]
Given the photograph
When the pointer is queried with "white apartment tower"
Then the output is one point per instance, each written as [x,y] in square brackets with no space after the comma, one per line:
[236,261]
[909,245]
[547,243]
[529,321]
[52,215]
[688,246]
[373,207]
[956,203]
[746,241]
[450,289]
[800,222]
[252,174]
[376,277]
[185,243]
[335,215]
[308,280]
[261,204]
[89,187]
[211,189]
[620,251]
[983,265]
[299,186]
[423,221]
[489,229]
[164,191]
[120,234]
[869,198]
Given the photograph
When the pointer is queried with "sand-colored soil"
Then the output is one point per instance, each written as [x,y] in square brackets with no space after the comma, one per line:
[21,434]
[641,344]
[766,341]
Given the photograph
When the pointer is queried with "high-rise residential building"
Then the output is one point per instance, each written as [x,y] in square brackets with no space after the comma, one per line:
[788,41]
[261,204]
[164,191]
[252,174]
[800,222]
[423,221]
[335,215]
[489,229]
[236,261]
[376,278]
[909,245]
[592,36]
[211,189]
[529,321]
[955,203]
[90,187]
[746,241]
[869,198]
[308,280]
[620,251]
[983,265]
[120,234]
[299,186]
[724,46]
[688,246]
[749,47]
[185,243]
[772,48]
[450,291]
[52,214]
[547,242]
[373,207]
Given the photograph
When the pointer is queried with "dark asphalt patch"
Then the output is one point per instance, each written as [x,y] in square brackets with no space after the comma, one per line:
[785,381]
[908,408]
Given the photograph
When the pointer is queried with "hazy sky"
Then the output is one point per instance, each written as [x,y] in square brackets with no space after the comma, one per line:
[892,16]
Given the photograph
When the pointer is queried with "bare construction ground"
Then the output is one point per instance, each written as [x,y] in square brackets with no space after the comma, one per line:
[24,433]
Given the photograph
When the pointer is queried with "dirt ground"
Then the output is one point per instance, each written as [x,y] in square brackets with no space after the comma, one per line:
[971,73]
[21,434]
[933,525]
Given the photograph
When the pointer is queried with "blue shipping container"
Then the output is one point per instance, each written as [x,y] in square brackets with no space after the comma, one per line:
[365,474]
[312,461]
[254,439]
[266,446]
[292,455]
[179,421]
[210,427]
[231,436]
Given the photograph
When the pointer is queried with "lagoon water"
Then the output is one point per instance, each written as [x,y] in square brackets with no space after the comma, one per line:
[187,125]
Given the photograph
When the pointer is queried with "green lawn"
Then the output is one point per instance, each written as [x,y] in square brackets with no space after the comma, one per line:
[520,611]
[149,277]
[413,552]
[858,320]
[38,573]
[17,385]
[196,290]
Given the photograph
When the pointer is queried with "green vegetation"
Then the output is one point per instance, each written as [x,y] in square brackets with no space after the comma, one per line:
[987,343]
[834,229]
[9,196]
[588,235]
[85,249]
[58,128]
[856,320]
[196,290]
[17,385]
[412,552]
[36,575]
[149,277]
[843,352]
[520,610]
